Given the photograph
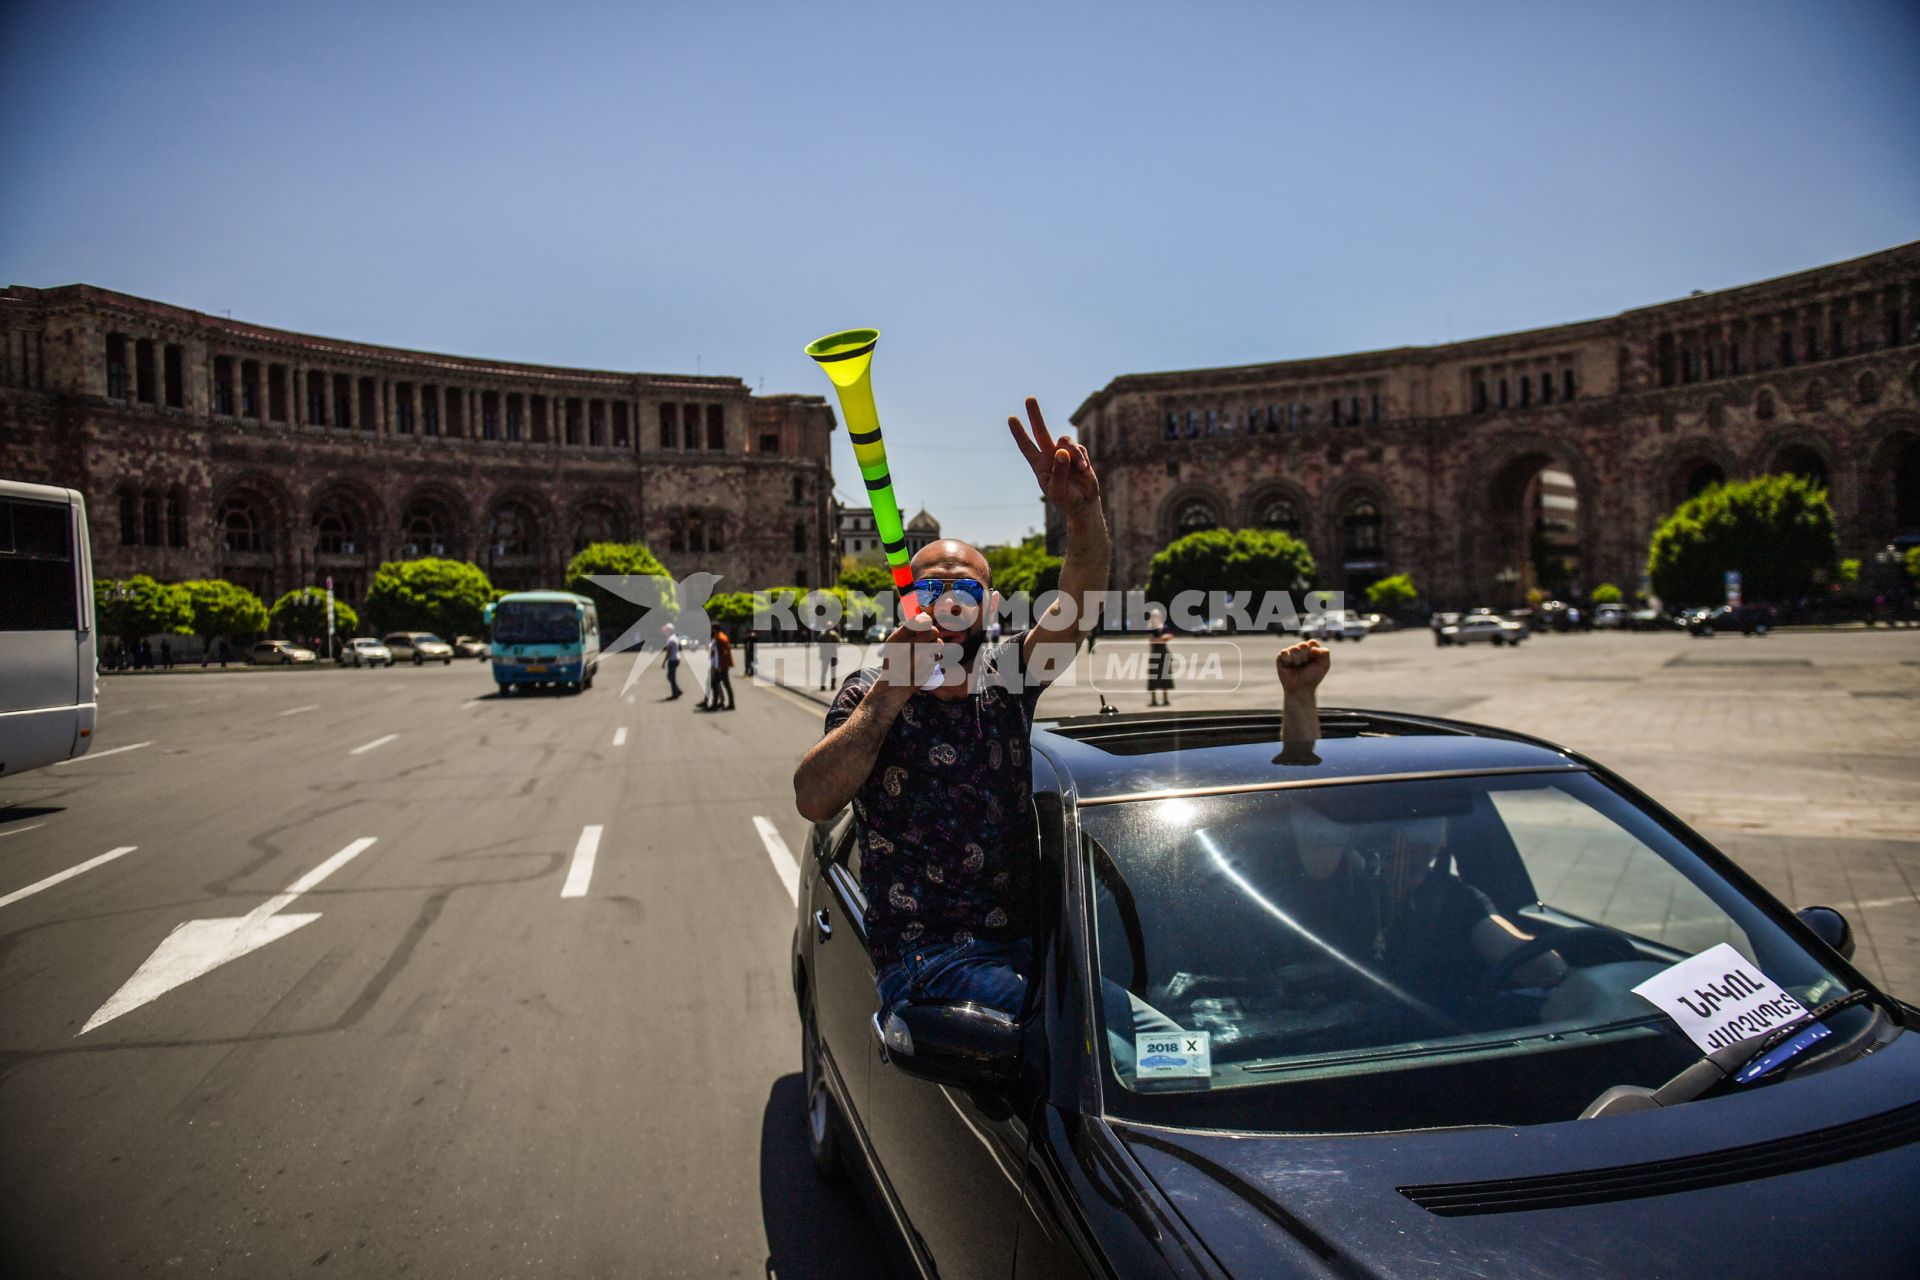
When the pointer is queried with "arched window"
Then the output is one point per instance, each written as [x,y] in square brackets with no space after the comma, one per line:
[799,489]
[1194,515]
[595,522]
[1800,460]
[1277,512]
[426,528]
[241,528]
[1906,489]
[333,532]
[1702,476]
[1364,528]
[176,518]
[129,518]
[512,531]
[799,537]
[152,519]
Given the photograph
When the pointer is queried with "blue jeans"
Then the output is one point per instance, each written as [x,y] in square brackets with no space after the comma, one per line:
[988,973]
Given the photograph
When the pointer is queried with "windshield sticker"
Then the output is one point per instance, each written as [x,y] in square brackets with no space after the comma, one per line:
[1719,998]
[1175,1055]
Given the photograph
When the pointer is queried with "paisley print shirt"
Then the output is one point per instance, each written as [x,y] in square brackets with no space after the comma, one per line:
[945,820]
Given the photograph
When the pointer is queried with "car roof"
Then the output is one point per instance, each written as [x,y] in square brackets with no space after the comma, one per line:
[1123,756]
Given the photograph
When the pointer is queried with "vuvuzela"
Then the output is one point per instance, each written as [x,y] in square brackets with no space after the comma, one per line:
[847,358]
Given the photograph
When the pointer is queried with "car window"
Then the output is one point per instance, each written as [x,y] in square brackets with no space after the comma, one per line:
[1329,943]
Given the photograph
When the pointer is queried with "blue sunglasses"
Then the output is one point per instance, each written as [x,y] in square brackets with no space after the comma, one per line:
[928,590]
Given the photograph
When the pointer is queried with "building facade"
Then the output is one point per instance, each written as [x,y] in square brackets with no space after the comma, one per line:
[1428,460]
[859,535]
[211,448]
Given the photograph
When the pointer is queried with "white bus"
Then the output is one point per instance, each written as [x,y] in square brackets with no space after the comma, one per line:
[47,627]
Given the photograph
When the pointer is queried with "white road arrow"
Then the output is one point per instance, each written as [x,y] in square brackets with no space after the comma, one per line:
[201,946]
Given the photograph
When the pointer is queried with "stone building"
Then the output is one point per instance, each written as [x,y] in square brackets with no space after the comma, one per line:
[208,447]
[1427,460]
[859,535]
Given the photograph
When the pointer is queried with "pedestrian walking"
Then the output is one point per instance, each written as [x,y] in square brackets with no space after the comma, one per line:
[672,648]
[223,653]
[749,665]
[146,655]
[722,678]
[1159,661]
[166,654]
[828,648]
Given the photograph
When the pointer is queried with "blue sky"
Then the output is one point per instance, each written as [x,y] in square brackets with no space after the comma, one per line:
[1024,198]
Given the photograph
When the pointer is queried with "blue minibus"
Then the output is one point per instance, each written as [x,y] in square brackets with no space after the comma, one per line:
[549,638]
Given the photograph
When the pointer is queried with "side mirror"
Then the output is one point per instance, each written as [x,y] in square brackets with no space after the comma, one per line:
[952,1042]
[1830,926]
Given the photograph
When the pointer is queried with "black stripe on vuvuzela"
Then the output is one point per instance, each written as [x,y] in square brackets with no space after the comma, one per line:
[891,547]
[874,486]
[864,437]
[860,350]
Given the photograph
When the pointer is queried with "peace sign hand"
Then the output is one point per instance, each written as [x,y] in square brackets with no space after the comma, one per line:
[1060,464]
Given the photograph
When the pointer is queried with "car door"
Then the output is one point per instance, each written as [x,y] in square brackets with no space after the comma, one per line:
[953,1165]
[842,970]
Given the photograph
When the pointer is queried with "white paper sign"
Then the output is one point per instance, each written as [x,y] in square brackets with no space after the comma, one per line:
[1719,997]
[1173,1055]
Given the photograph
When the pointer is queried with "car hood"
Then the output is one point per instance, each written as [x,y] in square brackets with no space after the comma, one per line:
[1254,1198]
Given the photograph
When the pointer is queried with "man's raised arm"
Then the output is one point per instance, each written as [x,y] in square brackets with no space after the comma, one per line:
[1066,480]
[833,772]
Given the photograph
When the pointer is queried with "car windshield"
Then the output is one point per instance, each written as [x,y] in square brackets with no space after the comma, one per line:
[536,622]
[1334,945]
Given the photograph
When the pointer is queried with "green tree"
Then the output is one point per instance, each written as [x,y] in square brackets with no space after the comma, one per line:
[223,610]
[1913,565]
[1849,572]
[621,559]
[866,578]
[1392,593]
[445,597]
[140,606]
[1236,560]
[731,608]
[1776,530]
[302,613]
[1606,593]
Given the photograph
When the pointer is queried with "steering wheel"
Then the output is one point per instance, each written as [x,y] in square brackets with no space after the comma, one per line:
[1555,938]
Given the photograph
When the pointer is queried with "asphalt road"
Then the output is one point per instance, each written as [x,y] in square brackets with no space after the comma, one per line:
[394,1045]
[418,1055]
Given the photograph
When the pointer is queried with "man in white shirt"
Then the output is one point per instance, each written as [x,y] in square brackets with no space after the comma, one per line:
[672,649]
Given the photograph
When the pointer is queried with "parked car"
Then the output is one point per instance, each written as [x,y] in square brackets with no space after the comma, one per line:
[364,651]
[471,647]
[1610,617]
[1237,1064]
[419,647]
[1440,620]
[1647,620]
[280,653]
[1481,628]
[1747,619]
[1334,624]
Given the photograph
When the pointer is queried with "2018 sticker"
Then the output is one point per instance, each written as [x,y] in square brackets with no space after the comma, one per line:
[1173,1055]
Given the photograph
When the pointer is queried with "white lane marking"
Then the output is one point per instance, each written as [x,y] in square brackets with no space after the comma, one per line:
[620,737]
[294,711]
[17,830]
[68,874]
[783,863]
[95,755]
[1903,900]
[200,946]
[476,702]
[377,742]
[580,874]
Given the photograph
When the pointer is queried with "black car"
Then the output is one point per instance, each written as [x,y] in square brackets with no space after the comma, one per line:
[1747,619]
[1363,1103]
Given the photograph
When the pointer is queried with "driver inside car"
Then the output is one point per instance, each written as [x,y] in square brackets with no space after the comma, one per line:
[1431,929]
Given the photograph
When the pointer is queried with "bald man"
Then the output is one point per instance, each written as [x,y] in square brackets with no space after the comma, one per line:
[931,749]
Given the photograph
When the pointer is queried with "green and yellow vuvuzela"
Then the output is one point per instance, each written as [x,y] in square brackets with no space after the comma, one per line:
[848,360]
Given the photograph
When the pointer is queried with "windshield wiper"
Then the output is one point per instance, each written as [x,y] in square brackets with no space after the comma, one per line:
[1722,1064]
